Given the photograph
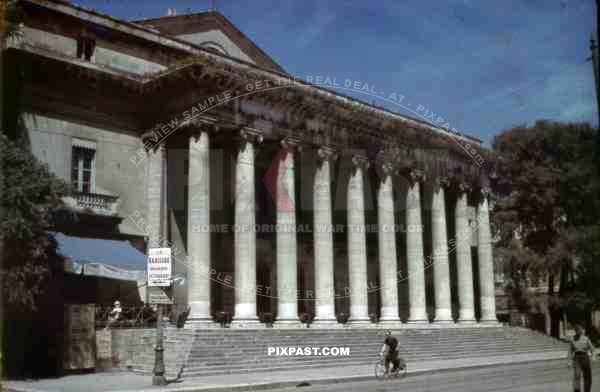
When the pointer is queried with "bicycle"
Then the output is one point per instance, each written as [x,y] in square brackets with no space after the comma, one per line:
[380,371]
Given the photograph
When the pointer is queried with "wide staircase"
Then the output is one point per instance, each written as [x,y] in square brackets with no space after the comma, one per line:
[229,351]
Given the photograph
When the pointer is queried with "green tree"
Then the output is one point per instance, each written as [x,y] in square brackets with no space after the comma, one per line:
[546,189]
[30,194]
[31,271]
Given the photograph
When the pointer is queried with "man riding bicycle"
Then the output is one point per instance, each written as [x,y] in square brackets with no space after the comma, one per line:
[391,351]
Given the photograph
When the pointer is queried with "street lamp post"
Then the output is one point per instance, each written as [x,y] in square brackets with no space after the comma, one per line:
[159,362]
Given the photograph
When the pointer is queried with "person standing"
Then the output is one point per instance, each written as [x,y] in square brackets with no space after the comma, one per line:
[115,314]
[581,352]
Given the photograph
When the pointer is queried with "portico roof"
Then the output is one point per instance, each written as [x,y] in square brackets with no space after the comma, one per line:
[204,56]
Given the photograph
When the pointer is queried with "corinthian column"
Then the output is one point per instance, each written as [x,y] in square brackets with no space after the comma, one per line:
[388,270]
[244,234]
[464,265]
[486,262]
[287,280]
[323,237]
[198,241]
[357,243]
[414,250]
[441,268]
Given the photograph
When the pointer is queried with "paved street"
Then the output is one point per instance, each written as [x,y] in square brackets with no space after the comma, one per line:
[543,377]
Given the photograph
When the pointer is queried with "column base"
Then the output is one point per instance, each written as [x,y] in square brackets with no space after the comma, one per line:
[443,321]
[417,315]
[201,324]
[491,323]
[418,322]
[247,324]
[389,324]
[467,316]
[360,323]
[326,324]
[288,324]
[442,315]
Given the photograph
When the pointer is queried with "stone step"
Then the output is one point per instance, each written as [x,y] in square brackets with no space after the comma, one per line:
[369,345]
[370,351]
[338,360]
[198,351]
[332,339]
[230,351]
[190,371]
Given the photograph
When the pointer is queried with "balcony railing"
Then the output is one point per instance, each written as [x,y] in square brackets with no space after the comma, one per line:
[105,204]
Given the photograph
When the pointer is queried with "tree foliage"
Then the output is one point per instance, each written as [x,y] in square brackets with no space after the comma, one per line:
[11,19]
[547,189]
[30,193]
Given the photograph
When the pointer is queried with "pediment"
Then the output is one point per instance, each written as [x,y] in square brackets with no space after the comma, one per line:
[213,31]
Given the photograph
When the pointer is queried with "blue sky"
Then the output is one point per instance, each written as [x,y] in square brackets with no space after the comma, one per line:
[481,65]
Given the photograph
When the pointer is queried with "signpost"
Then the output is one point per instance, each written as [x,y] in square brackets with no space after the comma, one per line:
[159,276]
[159,296]
[159,267]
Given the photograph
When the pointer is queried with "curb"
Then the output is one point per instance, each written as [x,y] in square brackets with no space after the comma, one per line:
[263,386]
[336,380]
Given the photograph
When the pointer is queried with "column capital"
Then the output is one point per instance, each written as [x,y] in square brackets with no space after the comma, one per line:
[484,192]
[203,124]
[387,167]
[291,143]
[327,153]
[443,182]
[360,161]
[416,175]
[385,170]
[152,147]
[463,187]
[252,135]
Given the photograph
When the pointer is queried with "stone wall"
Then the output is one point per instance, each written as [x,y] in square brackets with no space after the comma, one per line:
[65,45]
[133,349]
[51,142]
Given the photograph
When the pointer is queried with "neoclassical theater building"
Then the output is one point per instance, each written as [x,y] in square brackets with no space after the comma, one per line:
[279,195]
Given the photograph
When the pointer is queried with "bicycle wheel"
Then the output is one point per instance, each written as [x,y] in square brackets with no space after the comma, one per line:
[402,370]
[379,370]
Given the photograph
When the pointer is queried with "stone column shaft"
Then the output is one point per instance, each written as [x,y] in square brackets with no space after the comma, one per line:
[441,268]
[287,280]
[198,241]
[414,255]
[357,246]
[245,237]
[324,267]
[486,263]
[388,269]
[464,264]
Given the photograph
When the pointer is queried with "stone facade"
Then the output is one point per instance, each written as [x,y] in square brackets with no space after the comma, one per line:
[360,210]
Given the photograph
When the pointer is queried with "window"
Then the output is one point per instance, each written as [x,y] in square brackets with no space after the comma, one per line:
[83,156]
[214,47]
[85,47]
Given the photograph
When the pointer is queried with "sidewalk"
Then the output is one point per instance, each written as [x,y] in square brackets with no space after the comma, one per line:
[129,382]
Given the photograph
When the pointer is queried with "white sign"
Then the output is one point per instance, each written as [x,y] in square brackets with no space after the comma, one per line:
[104,344]
[158,296]
[159,267]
